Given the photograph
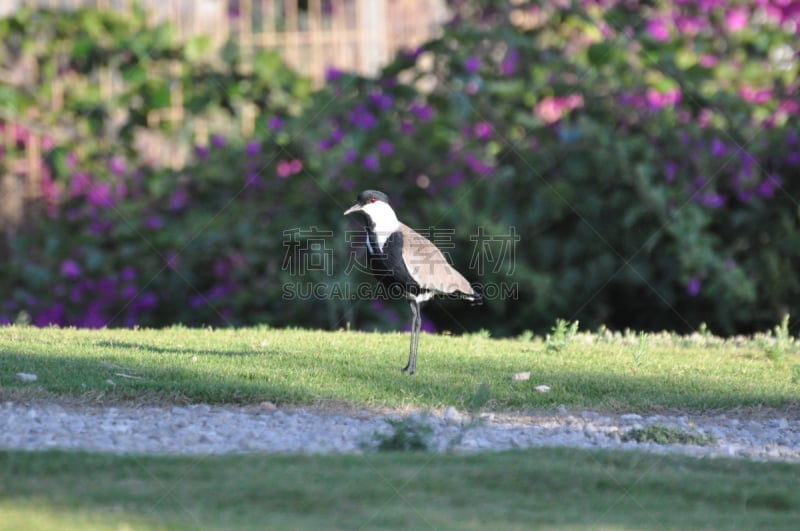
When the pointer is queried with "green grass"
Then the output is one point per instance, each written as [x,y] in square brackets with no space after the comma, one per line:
[545,488]
[363,369]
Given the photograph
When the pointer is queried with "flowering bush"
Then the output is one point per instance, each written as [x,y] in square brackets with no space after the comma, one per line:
[645,155]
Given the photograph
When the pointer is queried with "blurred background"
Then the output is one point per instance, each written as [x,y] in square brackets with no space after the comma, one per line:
[621,163]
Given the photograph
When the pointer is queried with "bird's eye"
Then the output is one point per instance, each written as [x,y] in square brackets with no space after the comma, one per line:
[372,199]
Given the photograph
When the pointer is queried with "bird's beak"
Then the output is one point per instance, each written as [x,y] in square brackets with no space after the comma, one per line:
[354,208]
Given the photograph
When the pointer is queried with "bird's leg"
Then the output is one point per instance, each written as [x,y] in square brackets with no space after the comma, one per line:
[416,324]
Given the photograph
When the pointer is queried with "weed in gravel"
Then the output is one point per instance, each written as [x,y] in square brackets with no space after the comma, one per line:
[409,434]
[661,434]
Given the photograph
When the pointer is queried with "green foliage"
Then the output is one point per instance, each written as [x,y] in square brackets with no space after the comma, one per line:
[409,434]
[661,434]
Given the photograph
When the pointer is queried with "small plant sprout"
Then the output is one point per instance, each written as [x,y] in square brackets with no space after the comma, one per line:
[561,335]
[640,353]
[525,336]
[409,434]
[778,341]
[480,397]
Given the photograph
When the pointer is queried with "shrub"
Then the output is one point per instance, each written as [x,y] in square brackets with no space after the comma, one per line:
[644,155]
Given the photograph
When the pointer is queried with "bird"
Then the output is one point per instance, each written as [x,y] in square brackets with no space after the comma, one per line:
[407,263]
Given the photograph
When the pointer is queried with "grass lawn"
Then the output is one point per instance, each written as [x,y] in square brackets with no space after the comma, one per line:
[539,488]
[300,366]
[544,488]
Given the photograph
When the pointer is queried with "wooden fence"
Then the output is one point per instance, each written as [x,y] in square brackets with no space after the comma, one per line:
[312,35]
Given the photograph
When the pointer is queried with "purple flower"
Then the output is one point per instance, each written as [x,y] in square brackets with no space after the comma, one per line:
[382,101]
[670,168]
[370,162]
[362,118]
[178,199]
[129,292]
[100,226]
[253,148]
[423,112]
[70,269]
[54,315]
[79,184]
[477,165]
[483,130]
[767,187]
[100,195]
[122,190]
[217,141]
[472,65]
[693,286]
[154,222]
[718,147]
[201,151]
[407,127]
[93,318]
[275,123]
[454,179]
[350,155]
[658,30]
[116,165]
[712,200]
[509,64]
[385,147]
[146,301]
[128,274]
[332,74]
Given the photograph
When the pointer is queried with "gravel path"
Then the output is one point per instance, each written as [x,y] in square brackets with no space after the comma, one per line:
[203,429]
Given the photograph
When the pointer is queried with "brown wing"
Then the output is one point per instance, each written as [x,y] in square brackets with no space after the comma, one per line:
[427,265]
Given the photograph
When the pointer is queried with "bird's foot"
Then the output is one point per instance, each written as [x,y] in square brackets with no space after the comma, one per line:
[408,370]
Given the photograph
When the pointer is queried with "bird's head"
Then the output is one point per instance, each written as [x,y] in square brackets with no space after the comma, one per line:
[374,207]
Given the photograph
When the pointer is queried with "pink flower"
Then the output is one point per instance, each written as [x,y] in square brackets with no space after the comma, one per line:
[287,168]
[658,100]
[736,19]
[708,60]
[658,30]
[551,109]
[753,95]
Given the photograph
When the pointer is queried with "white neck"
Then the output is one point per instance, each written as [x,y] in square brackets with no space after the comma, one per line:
[382,216]
[384,221]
